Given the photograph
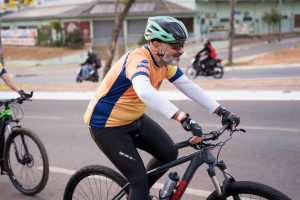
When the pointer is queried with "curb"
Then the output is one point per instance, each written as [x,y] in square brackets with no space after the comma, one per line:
[233,95]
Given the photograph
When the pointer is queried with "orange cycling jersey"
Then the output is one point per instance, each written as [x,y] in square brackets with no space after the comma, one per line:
[116,103]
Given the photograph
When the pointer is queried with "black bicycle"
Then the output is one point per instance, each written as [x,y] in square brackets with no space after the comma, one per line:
[100,182]
[23,156]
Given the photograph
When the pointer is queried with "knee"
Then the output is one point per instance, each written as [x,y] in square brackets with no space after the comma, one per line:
[171,154]
[174,153]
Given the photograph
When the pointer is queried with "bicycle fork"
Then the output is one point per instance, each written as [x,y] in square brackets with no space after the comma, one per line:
[204,157]
[26,158]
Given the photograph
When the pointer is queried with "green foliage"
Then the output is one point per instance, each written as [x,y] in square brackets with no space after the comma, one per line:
[44,36]
[56,25]
[74,39]
[271,18]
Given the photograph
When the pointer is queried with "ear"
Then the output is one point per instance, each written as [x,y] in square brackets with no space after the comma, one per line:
[155,45]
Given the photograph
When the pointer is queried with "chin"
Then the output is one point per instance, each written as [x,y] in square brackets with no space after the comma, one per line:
[175,62]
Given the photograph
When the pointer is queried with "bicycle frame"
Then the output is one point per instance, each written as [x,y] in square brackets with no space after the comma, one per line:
[196,160]
[6,118]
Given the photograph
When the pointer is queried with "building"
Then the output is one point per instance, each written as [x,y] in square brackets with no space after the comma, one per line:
[96,19]
[213,16]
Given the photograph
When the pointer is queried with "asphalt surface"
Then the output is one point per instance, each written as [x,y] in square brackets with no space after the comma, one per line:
[268,152]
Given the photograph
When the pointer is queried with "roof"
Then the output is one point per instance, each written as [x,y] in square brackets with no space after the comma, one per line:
[102,8]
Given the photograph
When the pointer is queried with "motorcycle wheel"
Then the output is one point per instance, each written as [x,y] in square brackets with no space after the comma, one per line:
[218,72]
[78,80]
[191,72]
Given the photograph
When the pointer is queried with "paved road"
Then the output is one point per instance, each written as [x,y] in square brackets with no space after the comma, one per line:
[269,152]
[248,50]
[69,75]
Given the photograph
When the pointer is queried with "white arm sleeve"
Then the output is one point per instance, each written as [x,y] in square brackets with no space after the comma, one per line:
[196,93]
[150,96]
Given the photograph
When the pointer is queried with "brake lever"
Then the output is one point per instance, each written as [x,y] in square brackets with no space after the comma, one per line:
[237,130]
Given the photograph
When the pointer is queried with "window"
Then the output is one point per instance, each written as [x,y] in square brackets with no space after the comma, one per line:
[247,19]
[224,20]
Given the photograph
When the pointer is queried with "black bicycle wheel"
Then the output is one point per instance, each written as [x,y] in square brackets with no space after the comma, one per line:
[29,171]
[250,190]
[94,182]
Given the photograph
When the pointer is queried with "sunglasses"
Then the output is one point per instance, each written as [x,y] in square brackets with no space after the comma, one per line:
[177,46]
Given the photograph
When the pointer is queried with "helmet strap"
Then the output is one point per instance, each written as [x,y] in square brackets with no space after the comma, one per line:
[162,54]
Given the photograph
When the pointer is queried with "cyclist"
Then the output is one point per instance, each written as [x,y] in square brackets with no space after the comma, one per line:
[9,82]
[116,116]
[207,50]
[12,85]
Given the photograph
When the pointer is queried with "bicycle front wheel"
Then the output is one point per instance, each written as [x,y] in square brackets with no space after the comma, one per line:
[250,190]
[94,182]
[26,161]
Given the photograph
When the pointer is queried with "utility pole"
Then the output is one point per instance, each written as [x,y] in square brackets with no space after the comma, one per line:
[231,31]
[280,14]
[1,46]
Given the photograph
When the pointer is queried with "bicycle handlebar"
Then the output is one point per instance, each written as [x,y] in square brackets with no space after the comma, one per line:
[18,100]
[206,137]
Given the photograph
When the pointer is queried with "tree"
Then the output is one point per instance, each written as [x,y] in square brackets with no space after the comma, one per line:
[74,39]
[11,4]
[272,19]
[231,32]
[56,25]
[119,19]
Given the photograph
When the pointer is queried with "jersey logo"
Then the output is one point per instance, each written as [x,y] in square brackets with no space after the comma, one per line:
[144,64]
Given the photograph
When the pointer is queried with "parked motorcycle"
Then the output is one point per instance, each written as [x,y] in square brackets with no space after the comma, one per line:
[211,68]
[93,76]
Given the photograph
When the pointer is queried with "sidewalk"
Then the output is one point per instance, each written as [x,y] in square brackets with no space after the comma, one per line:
[236,95]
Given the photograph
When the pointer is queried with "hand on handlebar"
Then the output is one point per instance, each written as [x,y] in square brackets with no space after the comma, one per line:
[228,117]
[190,125]
[25,95]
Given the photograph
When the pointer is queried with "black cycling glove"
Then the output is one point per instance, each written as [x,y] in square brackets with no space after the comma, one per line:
[24,95]
[228,117]
[190,125]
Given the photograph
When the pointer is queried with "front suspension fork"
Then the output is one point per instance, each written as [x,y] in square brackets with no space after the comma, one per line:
[212,174]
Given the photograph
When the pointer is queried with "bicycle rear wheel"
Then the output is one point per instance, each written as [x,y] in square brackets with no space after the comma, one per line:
[250,190]
[94,182]
[26,161]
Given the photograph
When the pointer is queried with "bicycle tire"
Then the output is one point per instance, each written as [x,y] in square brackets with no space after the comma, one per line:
[98,181]
[36,167]
[247,188]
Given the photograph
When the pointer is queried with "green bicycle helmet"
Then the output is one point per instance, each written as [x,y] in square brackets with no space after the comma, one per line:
[166,29]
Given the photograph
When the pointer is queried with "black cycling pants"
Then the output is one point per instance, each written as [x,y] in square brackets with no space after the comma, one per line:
[120,145]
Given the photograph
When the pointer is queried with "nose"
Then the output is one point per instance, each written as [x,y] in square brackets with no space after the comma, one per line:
[180,51]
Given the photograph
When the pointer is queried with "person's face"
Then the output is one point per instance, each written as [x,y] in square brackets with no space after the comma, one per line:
[171,52]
